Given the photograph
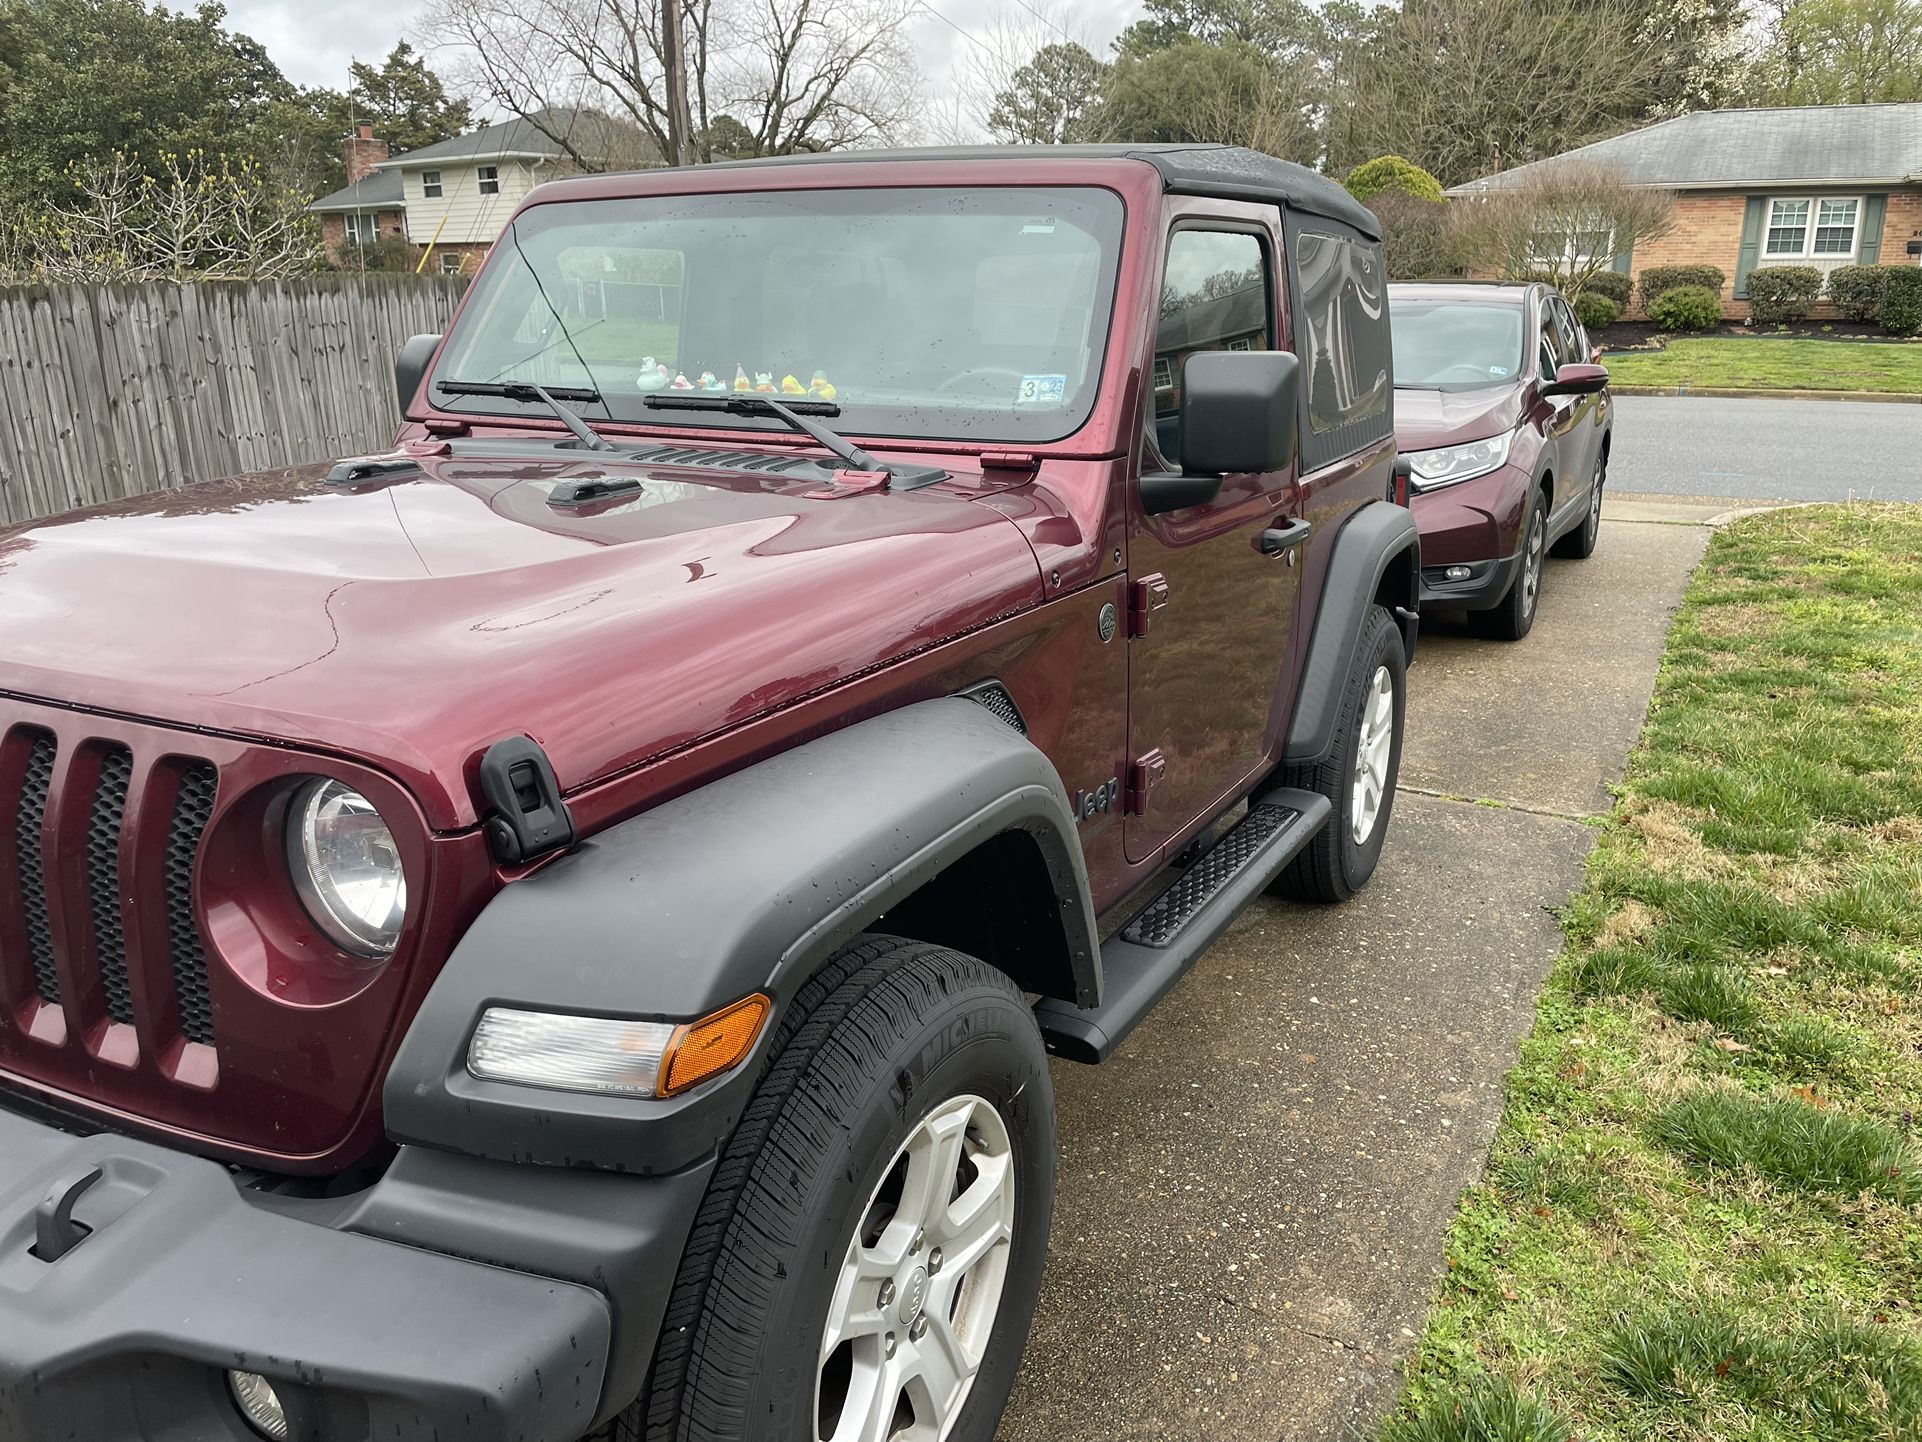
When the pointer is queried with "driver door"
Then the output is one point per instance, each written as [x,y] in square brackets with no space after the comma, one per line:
[1211,610]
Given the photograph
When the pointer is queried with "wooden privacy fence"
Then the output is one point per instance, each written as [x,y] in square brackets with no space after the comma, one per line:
[116,390]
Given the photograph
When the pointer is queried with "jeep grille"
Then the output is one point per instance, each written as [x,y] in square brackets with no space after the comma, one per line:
[82,946]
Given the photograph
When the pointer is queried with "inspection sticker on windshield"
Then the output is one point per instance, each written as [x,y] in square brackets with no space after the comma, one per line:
[1042,391]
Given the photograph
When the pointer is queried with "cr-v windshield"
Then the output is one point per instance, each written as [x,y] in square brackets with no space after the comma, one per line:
[970,313]
[1456,345]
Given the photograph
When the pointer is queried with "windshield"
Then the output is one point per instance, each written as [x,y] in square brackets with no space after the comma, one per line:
[971,314]
[1456,345]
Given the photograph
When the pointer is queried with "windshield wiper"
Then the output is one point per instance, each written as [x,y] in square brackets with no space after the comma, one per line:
[796,415]
[531,391]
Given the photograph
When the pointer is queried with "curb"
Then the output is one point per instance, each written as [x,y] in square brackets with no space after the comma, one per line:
[1735,392]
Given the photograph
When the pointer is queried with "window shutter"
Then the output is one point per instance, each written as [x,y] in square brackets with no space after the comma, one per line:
[1752,221]
[1868,250]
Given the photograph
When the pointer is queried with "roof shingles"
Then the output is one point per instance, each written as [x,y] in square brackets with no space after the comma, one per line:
[1791,145]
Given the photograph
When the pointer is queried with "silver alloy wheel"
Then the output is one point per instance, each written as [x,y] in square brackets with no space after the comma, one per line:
[1371,755]
[1532,564]
[921,1284]
[1595,501]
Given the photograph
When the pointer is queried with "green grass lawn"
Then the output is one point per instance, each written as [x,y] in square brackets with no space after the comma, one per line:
[1752,364]
[1702,1217]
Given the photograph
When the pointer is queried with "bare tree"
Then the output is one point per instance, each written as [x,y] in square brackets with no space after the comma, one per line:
[1562,220]
[1467,87]
[800,75]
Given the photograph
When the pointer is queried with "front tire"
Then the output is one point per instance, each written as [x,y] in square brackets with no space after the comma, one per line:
[871,1247]
[1358,775]
[1514,617]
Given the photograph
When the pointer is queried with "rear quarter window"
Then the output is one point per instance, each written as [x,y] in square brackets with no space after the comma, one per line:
[1341,337]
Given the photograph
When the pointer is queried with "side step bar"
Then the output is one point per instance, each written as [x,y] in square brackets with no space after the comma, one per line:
[1141,963]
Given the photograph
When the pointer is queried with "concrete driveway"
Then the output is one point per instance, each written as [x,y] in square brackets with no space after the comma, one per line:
[1775,450]
[1253,1193]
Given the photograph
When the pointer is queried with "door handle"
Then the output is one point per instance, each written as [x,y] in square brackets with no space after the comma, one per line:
[1277,539]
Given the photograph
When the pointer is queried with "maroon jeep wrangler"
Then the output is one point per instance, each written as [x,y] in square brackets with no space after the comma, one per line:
[559,927]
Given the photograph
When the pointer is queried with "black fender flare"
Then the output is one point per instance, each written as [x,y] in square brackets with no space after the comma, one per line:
[746,884]
[1357,578]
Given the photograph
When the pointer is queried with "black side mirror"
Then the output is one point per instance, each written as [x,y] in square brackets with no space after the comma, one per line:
[410,368]
[1239,413]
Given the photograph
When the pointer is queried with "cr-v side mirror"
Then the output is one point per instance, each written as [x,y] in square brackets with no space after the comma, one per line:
[1239,413]
[410,367]
[1578,379]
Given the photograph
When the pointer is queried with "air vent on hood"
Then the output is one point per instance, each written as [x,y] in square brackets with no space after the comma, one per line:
[705,459]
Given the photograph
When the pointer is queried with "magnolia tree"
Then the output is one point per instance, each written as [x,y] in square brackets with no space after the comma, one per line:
[1563,221]
[182,218]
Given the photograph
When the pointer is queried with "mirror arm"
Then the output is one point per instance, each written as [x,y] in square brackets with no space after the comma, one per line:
[1164,491]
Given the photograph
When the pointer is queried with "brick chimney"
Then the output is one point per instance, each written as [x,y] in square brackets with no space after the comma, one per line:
[363,153]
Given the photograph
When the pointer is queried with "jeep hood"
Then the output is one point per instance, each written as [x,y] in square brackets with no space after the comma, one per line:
[414,622]
[1425,419]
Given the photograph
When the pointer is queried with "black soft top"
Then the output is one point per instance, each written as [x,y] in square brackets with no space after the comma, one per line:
[1224,172]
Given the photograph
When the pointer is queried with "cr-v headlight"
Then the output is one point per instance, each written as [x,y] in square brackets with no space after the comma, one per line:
[346,868]
[1449,464]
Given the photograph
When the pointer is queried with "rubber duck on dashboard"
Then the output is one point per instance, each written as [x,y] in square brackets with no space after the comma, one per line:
[654,375]
[741,382]
[821,388]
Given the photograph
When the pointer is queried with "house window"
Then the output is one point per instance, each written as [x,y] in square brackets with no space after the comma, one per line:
[490,180]
[1241,343]
[430,184]
[450,262]
[359,227]
[1164,374]
[1803,227]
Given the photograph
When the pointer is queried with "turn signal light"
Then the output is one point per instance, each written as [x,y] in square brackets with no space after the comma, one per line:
[612,1054]
[712,1045]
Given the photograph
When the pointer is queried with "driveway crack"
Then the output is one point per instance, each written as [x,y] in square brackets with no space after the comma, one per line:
[1499,803]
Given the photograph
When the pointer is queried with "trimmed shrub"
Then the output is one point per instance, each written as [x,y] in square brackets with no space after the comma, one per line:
[1660,278]
[1902,301]
[1779,294]
[1595,311]
[1686,307]
[1612,284]
[1857,289]
[1391,175]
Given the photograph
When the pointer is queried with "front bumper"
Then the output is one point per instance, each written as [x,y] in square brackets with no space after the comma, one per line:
[344,1304]
[1476,524]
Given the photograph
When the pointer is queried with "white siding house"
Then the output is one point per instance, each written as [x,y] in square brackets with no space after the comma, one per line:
[459,194]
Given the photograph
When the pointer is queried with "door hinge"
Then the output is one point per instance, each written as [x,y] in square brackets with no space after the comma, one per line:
[1144,774]
[1145,597]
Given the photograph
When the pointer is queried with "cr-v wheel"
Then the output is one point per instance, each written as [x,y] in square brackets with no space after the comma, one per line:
[865,1264]
[1515,616]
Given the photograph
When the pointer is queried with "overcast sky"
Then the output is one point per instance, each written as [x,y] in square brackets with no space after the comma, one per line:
[313,44]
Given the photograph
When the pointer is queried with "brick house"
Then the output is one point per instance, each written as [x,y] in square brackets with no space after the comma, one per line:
[368,206]
[1824,186]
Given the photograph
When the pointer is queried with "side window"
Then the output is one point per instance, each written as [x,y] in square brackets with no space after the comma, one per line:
[1568,332]
[1547,343]
[1341,334]
[430,184]
[1216,294]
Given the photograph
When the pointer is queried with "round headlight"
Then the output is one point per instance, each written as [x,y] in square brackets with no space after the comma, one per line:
[346,868]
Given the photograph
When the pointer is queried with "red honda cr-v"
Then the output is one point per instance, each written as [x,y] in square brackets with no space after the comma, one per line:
[1503,415]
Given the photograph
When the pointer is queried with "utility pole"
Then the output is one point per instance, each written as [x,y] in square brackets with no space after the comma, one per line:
[680,126]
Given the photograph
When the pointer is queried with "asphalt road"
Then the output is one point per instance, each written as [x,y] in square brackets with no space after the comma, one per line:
[1253,1192]
[1775,450]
